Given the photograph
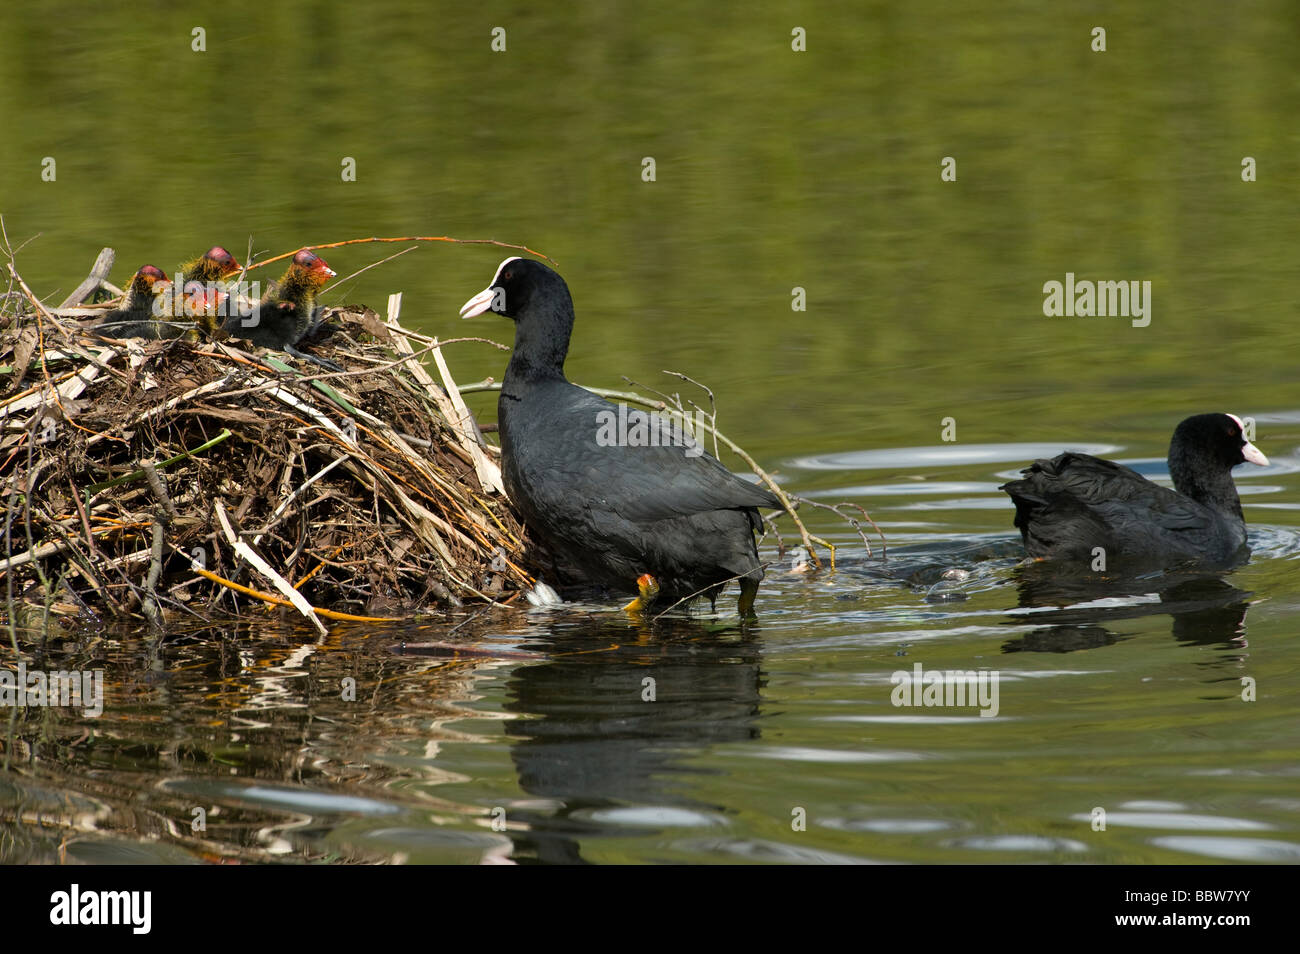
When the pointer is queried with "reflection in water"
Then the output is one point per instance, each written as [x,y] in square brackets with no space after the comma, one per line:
[614,728]
[259,735]
[1206,609]
[540,714]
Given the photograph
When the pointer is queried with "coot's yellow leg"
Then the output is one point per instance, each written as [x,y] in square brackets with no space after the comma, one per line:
[648,587]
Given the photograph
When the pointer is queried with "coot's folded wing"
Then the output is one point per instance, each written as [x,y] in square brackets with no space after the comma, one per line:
[1071,485]
[642,468]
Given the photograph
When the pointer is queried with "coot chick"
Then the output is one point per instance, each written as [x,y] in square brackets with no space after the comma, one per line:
[152,299]
[199,280]
[142,306]
[1073,503]
[667,521]
[214,265]
[283,316]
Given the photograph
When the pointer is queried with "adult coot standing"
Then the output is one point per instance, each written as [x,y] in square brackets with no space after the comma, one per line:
[1070,505]
[660,515]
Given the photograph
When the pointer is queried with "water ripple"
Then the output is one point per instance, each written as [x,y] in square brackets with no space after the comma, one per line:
[943,455]
[1232,849]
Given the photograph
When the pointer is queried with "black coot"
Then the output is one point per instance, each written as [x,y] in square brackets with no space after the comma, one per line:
[590,487]
[1071,504]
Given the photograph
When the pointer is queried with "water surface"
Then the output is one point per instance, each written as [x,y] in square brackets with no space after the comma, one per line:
[579,735]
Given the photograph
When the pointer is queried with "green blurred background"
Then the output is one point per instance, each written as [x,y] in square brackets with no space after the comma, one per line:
[775,169]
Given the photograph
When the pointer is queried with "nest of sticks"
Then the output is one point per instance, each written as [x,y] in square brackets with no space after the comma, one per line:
[173,479]
[161,477]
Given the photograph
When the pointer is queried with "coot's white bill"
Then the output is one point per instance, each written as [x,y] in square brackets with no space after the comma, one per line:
[1249,451]
[1254,454]
[483,300]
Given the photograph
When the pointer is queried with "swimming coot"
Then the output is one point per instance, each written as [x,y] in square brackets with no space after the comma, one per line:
[657,516]
[1071,504]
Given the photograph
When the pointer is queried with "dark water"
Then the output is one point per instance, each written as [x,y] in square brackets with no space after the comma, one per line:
[775,169]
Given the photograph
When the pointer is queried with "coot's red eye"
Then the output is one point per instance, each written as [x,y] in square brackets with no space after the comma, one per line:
[506,277]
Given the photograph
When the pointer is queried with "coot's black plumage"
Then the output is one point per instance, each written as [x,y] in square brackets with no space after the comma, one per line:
[1071,504]
[616,512]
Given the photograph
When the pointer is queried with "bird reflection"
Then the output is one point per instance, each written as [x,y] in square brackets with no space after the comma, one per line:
[1206,609]
[613,716]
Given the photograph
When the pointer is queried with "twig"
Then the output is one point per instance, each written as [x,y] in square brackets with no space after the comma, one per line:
[408,238]
[268,598]
[156,485]
[712,412]
[275,517]
[149,605]
[98,273]
[835,509]
[137,474]
[337,283]
[462,421]
[700,592]
[248,553]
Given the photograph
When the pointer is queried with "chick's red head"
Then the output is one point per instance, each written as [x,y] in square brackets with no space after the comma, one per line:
[317,269]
